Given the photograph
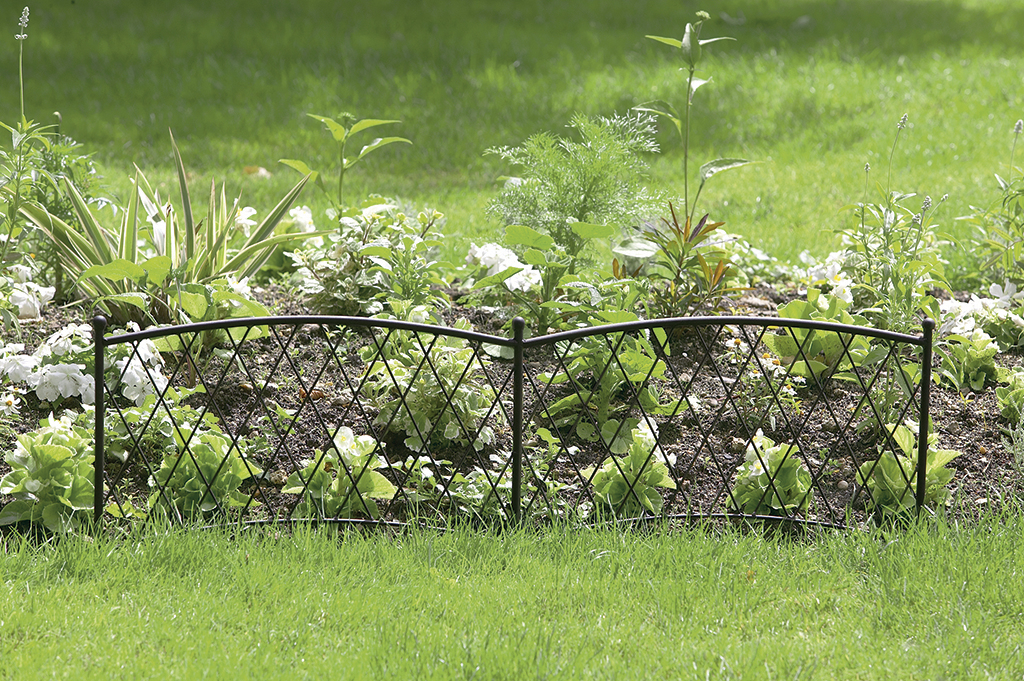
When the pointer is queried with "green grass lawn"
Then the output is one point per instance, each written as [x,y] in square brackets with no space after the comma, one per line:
[811,88]
[597,604]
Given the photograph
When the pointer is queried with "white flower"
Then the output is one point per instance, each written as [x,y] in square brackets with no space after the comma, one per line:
[303,218]
[138,381]
[30,298]
[62,380]
[21,273]
[64,341]
[1006,294]
[9,404]
[243,219]
[18,367]
[498,259]
[239,288]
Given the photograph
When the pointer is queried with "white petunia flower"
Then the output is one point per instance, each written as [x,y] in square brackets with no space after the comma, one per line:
[1006,294]
[30,299]
[62,380]
[18,367]
[242,219]
[303,218]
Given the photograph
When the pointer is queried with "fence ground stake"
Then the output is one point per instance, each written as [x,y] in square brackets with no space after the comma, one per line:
[99,325]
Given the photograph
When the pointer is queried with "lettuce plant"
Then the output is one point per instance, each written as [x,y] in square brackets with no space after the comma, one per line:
[1010,397]
[968,362]
[51,476]
[342,482]
[202,475]
[891,481]
[628,486]
[772,480]
[430,390]
[811,352]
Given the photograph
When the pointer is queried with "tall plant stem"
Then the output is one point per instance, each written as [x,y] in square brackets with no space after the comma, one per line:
[341,176]
[21,77]
[1013,148]
[686,147]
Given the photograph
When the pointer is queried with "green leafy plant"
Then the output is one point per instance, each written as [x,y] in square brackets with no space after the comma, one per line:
[894,256]
[812,352]
[342,131]
[378,255]
[176,278]
[772,480]
[891,481]
[690,49]
[604,369]
[687,283]
[1014,444]
[202,474]
[342,482]
[1010,397]
[596,180]
[562,293]
[628,486]
[1000,227]
[968,362]
[431,390]
[51,477]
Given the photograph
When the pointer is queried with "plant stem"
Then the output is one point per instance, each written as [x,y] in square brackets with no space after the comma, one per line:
[341,176]
[686,147]
[21,77]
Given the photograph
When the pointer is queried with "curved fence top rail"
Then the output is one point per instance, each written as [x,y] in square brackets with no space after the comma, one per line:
[368,322]
[778,322]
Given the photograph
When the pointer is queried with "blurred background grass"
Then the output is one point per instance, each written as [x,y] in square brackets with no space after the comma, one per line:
[811,88]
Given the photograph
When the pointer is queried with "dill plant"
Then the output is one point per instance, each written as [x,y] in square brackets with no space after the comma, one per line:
[596,178]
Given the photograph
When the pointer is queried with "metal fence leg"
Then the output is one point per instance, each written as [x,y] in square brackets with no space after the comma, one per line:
[99,325]
[518,327]
[924,417]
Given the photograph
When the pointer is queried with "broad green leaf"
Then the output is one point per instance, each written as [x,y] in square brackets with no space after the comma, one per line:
[338,130]
[520,235]
[368,123]
[590,231]
[617,316]
[139,300]
[535,258]
[377,144]
[194,304]
[636,248]
[672,42]
[718,165]
[116,270]
[376,250]
[299,166]
[157,269]
[497,278]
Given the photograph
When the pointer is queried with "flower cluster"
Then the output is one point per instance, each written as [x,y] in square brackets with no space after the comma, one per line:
[497,259]
[829,272]
[28,297]
[999,316]
[61,368]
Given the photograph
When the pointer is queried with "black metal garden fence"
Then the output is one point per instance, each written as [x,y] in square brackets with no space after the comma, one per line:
[354,419]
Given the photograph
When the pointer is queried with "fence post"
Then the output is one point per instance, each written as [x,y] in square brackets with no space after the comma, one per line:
[518,328]
[99,325]
[924,415]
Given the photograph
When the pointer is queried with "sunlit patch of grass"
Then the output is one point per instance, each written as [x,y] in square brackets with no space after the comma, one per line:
[810,89]
[564,604]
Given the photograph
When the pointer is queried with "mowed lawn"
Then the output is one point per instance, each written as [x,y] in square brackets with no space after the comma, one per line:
[810,88]
[932,603]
